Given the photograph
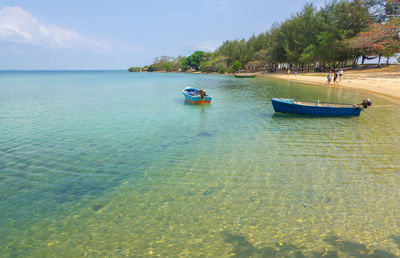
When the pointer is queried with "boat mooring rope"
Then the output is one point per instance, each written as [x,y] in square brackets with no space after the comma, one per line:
[384,106]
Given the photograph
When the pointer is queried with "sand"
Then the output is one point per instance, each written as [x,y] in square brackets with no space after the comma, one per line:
[381,81]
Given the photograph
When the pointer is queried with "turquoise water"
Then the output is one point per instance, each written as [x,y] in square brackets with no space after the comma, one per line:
[111,163]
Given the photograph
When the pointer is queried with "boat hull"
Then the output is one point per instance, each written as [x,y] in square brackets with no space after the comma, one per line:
[198,100]
[288,106]
[245,76]
[192,95]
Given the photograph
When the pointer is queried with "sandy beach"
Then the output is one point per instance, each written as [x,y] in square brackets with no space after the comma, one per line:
[381,81]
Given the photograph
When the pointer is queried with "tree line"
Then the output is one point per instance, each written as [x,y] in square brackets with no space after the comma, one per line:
[341,33]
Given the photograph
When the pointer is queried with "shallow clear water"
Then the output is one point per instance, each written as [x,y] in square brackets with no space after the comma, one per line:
[116,164]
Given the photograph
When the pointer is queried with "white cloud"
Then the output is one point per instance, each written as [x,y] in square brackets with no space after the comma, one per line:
[208,46]
[19,26]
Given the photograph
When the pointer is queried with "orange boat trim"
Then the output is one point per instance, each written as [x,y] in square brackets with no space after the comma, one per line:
[198,102]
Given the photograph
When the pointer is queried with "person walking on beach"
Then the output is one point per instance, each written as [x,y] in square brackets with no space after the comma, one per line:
[329,77]
[335,75]
[340,74]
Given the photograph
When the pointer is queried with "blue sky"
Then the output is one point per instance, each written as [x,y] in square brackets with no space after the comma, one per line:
[101,34]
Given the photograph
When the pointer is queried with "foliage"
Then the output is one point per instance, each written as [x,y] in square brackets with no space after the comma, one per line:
[340,31]
[181,64]
[194,60]
[151,68]
[220,68]
[309,37]
[379,39]
[235,50]
[135,69]
[214,63]
[236,66]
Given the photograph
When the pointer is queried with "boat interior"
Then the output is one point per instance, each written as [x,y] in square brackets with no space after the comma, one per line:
[322,104]
[193,92]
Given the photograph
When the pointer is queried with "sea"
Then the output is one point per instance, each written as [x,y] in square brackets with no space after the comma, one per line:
[116,164]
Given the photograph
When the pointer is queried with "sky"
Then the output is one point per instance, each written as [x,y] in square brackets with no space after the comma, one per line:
[118,34]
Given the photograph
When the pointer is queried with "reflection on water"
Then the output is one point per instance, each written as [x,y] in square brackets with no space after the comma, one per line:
[243,248]
[115,163]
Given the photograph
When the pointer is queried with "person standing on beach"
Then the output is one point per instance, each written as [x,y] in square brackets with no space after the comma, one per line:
[340,74]
[329,78]
[288,72]
[335,75]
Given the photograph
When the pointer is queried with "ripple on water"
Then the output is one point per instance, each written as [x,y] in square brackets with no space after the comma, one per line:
[101,164]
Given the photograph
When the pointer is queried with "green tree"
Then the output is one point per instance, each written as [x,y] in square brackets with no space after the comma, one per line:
[151,68]
[214,62]
[167,66]
[194,60]
[135,69]
[308,37]
[180,64]
[236,66]
[221,68]
[235,50]
[298,33]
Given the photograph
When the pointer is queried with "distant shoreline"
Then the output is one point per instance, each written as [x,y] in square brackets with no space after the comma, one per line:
[67,70]
[384,82]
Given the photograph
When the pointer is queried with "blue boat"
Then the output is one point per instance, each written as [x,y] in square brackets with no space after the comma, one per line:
[245,75]
[318,108]
[196,96]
